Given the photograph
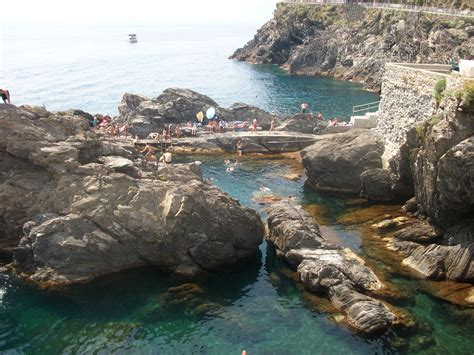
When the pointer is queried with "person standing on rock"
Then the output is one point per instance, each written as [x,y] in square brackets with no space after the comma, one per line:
[272,125]
[178,131]
[304,107]
[240,147]
[254,125]
[5,96]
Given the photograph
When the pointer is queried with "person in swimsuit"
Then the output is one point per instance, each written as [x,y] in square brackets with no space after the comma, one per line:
[149,152]
[240,147]
[272,125]
[254,125]
[5,96]
[167,157]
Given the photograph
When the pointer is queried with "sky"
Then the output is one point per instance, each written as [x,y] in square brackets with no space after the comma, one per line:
[136,11]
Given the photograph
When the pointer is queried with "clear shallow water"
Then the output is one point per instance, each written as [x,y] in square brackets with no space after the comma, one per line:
[258,309]
[91,67]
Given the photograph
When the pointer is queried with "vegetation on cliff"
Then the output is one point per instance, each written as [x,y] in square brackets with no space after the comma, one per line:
[354,43]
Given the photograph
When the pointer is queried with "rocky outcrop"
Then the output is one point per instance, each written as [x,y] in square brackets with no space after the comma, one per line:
[377,185]
[177,105]
[303,123]
[246,113]
[354,43]
[336,162]
[327,268]
[84,207]
[439,262]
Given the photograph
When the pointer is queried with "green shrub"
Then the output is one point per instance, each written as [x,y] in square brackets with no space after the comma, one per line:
[420,131]
[468,94]
[435,120]
[439,90]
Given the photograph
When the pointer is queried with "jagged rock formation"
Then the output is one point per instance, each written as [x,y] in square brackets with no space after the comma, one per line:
[327,268]
[337,161]
[303,123]
[177,105]
[353,43]
[84,207]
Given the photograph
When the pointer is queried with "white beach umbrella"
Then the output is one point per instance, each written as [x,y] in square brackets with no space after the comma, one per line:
[210,113]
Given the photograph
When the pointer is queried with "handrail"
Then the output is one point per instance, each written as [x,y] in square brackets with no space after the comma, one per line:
[389,5]
[365,107]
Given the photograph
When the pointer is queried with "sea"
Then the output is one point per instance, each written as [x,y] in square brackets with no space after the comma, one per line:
[91,67]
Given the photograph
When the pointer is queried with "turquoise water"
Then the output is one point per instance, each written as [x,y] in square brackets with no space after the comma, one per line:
[90,67]
[258,309]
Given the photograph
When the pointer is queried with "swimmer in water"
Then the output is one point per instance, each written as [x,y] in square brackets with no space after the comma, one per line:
[232,167]
[227,161]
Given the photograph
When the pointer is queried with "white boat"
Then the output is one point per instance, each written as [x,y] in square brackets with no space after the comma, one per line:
[132,38]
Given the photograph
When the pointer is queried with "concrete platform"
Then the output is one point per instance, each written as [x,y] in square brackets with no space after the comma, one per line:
[260,142]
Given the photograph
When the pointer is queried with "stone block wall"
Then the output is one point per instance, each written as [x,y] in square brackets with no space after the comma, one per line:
[407,100]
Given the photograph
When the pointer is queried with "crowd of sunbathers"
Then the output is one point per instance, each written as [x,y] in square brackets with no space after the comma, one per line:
[103,123]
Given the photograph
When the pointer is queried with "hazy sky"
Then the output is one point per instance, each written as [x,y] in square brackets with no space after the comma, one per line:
[131,11]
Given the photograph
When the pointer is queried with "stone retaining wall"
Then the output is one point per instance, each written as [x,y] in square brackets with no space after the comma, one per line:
[407,100]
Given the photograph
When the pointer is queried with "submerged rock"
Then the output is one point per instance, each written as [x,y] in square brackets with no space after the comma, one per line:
[85,207]
[324,267]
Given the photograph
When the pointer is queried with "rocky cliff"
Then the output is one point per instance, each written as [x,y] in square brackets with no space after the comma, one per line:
[74,207]
[425,150]
[353,43]
[177,105]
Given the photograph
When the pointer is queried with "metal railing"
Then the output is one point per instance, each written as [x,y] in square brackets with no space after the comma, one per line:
[388,5]
[365,108]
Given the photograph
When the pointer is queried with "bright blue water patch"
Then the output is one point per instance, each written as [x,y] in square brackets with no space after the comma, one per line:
[90,67]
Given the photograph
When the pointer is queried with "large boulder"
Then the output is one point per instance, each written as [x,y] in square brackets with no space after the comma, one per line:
[302,123]
[336,162]
[327,268]
[177,105]
[174,105]
[85,207]
[377,185]
[246,113]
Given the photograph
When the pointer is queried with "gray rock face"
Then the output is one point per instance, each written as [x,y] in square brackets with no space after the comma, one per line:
[303,123]
[177,105]
[325,40]
[244,112]
[91,207]
[420,232]
[443,169]
[439,262]
[336,162]
[323,267]
[377,185]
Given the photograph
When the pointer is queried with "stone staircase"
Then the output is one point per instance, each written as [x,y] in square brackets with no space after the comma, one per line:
[369,120]
[366,115]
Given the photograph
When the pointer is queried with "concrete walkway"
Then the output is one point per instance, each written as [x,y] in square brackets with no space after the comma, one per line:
[260,142]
